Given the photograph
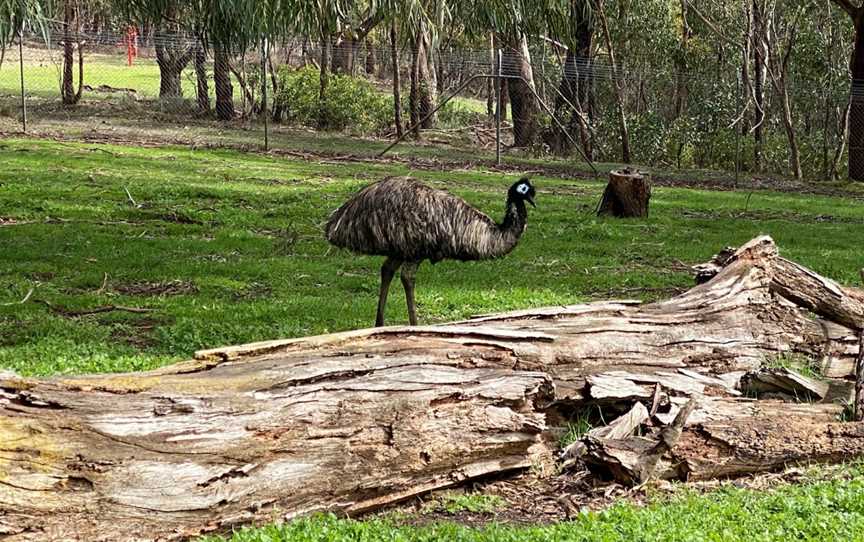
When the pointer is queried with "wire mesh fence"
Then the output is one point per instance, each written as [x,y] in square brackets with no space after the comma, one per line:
[174,88]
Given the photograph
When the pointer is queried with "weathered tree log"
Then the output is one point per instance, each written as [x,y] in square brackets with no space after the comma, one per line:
[355,420]
[626,195]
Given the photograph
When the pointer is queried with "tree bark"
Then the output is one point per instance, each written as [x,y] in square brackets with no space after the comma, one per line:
[422,97]
[172,57]
[324,79]
[371,58]
[572,101]
[222,82]
[626,196]
[397,84]
[353,421]
[202,88]
[760,39]
[856,107]
[67,89]
[516,62]
[617,83]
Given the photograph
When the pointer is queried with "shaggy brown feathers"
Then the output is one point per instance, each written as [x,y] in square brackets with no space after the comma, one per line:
[402,218]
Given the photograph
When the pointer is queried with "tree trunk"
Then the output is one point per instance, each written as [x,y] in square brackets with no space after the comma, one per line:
[222,82]
[172,57]
[516,62]
[788,124]
[67,89]
[343,56]
[324,79]
[490,82]
[352,421]
[422,97]
[759,47]
[856,108]
[371,58]
[571,103]
[397,84]
[202,88]
[618,84]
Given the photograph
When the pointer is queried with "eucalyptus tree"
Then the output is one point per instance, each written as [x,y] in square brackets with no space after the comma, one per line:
[16,17]
[513,21]
[856,91]
[175,23]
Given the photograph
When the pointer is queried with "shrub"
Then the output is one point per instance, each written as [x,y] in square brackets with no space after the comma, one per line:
[349,102]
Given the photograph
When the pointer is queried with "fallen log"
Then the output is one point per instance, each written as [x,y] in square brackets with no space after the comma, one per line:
[356,420]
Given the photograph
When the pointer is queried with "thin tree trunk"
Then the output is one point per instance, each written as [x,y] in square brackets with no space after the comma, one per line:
[490,82]
[67,90]
[371,58]
[324,78]
[618,84]
[681,90]
[841,140]
[397,84]
[759,36]
[222,82]
[202,88]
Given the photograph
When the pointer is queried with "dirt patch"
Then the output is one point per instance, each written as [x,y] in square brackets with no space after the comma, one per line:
[252,291]
[138,333]
[146,289]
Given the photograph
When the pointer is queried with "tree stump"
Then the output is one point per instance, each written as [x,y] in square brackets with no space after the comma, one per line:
[626,195]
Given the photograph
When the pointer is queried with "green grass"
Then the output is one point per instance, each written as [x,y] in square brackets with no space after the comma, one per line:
[242,233]
[43,72]
[816,511]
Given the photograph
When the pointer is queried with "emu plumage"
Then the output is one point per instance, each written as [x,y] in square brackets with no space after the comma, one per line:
[408,222]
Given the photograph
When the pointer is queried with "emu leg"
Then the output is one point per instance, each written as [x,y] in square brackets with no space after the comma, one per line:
[409,272]
[387,271]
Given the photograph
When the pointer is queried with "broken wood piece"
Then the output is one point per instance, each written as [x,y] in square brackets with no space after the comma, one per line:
[626,195]
[784,381]
[634,460]
[621,427]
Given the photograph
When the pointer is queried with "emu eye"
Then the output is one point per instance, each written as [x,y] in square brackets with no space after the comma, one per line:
[523,188]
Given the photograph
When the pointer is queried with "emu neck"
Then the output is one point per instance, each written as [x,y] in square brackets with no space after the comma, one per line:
[515,218]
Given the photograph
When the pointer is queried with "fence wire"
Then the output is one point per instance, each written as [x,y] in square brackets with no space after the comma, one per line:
[163,87]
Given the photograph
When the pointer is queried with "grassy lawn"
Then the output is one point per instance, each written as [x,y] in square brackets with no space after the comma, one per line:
[815,511]
[43,70]
[226,247]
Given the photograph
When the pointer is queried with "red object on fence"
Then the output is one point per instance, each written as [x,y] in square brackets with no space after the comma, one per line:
[131,41]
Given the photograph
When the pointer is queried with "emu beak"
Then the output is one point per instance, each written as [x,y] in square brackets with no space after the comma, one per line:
[531,201]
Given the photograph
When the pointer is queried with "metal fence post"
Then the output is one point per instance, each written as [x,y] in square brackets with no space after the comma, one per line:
[21,68]
[498,83]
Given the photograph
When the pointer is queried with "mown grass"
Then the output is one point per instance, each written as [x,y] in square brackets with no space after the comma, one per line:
[43,70]
[816,511]
[242,235]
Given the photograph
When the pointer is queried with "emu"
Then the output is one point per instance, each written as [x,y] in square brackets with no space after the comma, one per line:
[408,222]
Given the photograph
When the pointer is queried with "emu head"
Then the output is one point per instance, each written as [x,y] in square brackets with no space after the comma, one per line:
[522,190]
